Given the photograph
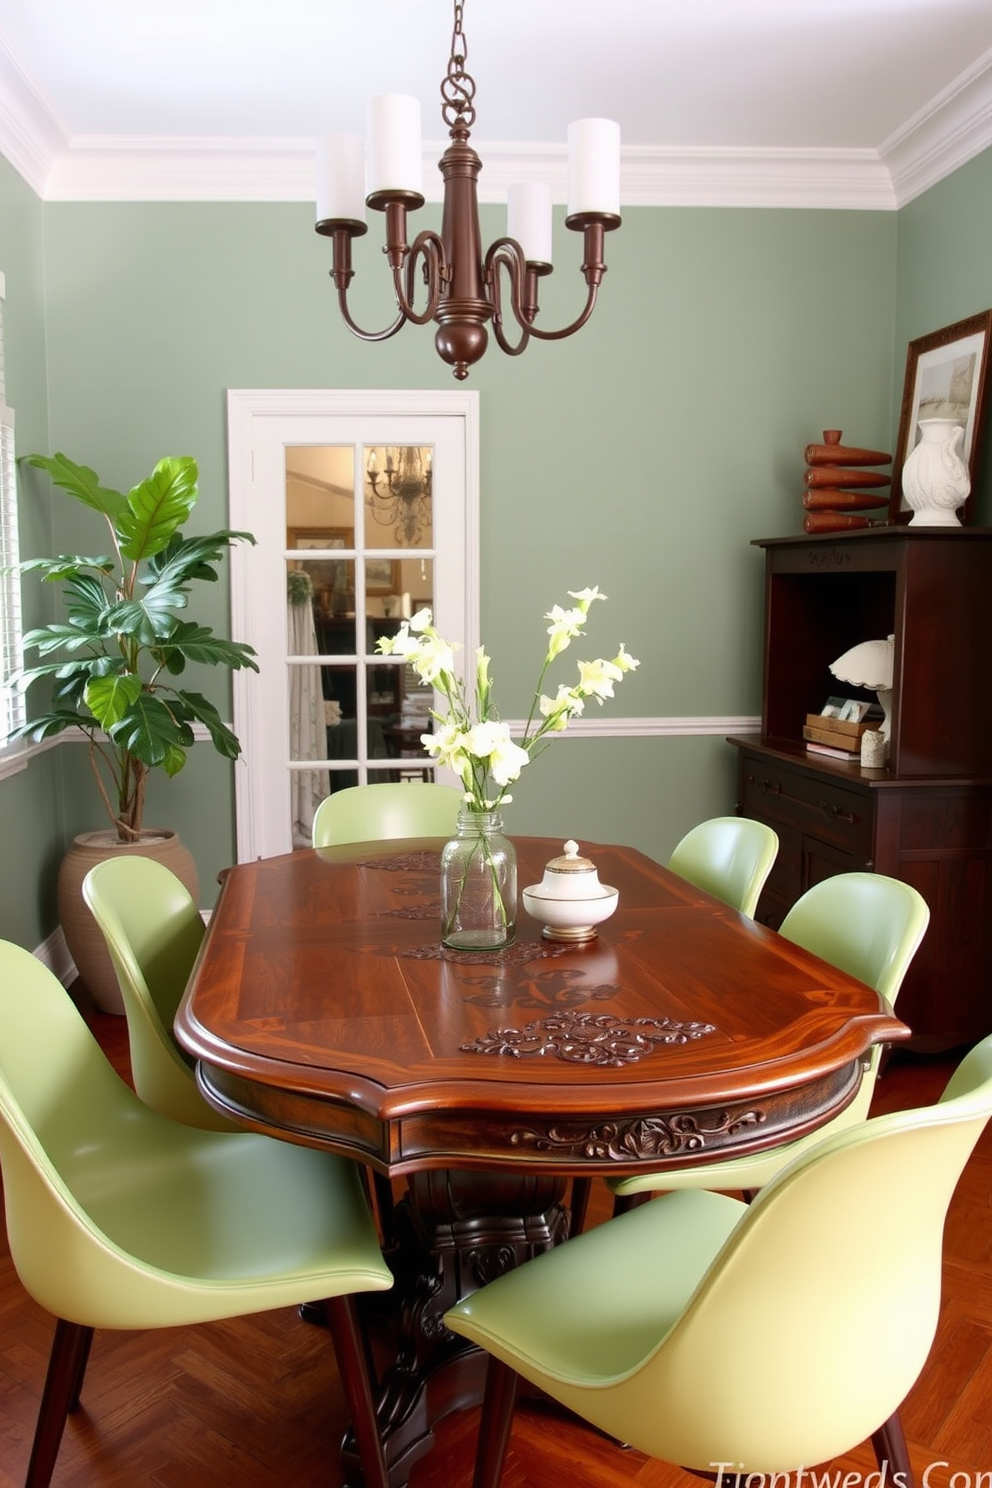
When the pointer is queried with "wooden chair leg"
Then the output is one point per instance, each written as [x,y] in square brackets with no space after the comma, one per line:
[63,1383]
[579,1204]
[623,1202]
[890,1446]
[496,1423]
[357,1381]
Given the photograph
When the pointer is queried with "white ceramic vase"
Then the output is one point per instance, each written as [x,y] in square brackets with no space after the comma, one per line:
[935,479]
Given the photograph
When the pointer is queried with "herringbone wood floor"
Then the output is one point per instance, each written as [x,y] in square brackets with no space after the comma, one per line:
[257,1402]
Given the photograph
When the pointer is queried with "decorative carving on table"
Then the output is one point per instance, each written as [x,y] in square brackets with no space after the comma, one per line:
[588,1038]
[516,954]
[645,1137]
[557,987]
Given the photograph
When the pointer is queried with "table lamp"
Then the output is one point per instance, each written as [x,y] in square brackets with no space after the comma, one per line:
[869,664]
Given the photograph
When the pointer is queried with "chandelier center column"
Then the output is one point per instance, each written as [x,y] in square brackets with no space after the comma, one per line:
[464,309]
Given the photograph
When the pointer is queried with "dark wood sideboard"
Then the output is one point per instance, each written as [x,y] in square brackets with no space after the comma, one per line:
[927,817]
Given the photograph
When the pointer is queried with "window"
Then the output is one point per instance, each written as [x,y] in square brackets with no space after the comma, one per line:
[11,698]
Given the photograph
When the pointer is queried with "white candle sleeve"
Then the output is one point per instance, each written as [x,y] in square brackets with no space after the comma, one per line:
[593,166]
[341,178]
[395,153]
[528,219]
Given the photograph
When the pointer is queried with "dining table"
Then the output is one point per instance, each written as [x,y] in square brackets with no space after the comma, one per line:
[482,1090]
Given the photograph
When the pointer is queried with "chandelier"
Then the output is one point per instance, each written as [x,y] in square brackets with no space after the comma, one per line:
[399,495]
[464,289]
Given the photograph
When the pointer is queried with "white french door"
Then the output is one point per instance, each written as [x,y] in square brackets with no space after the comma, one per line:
[364,507]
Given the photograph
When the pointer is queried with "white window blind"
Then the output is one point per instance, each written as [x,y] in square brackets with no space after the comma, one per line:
[11,699]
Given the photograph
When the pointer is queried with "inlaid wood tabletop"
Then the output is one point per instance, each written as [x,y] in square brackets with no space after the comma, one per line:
[324,1009]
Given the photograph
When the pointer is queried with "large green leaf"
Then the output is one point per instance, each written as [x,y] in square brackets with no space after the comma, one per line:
[151,731]
[81,482]
[157,508]
[197,706]
[139,622]
[192,642]
[63,567]
[47,725]
[53,637]
[189,558]
[109,698]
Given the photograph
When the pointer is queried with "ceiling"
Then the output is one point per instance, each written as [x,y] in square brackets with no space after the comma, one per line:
[820,102]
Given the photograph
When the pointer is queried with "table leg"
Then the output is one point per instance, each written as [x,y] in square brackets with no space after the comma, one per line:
[454,1231]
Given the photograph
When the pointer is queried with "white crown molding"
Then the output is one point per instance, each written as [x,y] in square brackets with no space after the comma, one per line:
[953,128]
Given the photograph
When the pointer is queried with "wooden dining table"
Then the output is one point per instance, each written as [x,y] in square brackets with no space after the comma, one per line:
[323,1009]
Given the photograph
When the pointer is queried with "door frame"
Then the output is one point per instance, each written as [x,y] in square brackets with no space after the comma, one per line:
[251,414]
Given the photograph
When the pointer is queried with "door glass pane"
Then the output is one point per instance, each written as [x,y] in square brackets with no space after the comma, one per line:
[399,504]
[320,496]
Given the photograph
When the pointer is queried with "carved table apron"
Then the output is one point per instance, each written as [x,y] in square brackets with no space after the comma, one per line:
[323,1010]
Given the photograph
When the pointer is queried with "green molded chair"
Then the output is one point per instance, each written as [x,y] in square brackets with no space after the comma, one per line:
[153,932]
[120,1218]
[705,1331]
[728,856]
[378,813]
[868,925]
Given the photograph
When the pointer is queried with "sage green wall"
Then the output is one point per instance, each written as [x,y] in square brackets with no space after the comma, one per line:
[944,273]
[30,802]
[643,455]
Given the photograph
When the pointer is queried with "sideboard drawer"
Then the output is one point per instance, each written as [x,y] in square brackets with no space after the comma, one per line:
[837,814]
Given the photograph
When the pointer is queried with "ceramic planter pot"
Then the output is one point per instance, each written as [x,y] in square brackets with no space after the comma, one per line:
[82,934]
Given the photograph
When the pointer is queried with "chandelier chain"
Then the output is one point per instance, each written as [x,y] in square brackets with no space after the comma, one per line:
[458,86]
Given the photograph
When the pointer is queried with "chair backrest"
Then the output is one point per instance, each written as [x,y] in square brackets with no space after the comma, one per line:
[729,857]
[57,1094]
[868,925]
[871,927]
[153,932]
[378,813]
[816,1316]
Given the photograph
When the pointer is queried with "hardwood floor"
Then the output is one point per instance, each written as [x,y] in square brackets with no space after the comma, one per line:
[257,1402]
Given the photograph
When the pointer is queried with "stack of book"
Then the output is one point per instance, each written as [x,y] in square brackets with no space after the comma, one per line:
[839,737]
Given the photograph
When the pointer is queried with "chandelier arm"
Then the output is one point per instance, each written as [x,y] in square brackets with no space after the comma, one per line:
[356,330]
[594,226]
[428,246]
[576,325]
[506,254]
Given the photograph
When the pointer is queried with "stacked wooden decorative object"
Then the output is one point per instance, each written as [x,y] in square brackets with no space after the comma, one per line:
[839,487]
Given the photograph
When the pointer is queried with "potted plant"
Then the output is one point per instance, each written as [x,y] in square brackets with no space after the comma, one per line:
[114,662]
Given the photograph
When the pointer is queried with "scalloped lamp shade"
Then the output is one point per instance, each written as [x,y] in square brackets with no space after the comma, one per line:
[869,664]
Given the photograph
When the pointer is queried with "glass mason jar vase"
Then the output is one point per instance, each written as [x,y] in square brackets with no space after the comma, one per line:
[478,884]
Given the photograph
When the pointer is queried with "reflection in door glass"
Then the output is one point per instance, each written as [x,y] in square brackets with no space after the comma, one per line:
[399,496]
[355,716]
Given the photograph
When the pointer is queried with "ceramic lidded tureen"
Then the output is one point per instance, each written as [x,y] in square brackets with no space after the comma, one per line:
[570,901]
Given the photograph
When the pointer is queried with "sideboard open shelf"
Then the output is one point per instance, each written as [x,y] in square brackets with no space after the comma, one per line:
[927,817]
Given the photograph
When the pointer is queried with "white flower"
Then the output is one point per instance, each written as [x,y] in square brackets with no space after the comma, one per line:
[447,746]
[565,624]
[433,656]
[507,760]
[596,678]
[585,597]
[566,704]
[479,749]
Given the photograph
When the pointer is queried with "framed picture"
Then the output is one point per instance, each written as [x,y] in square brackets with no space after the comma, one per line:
[319,537]
[945,378]
[382,576]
